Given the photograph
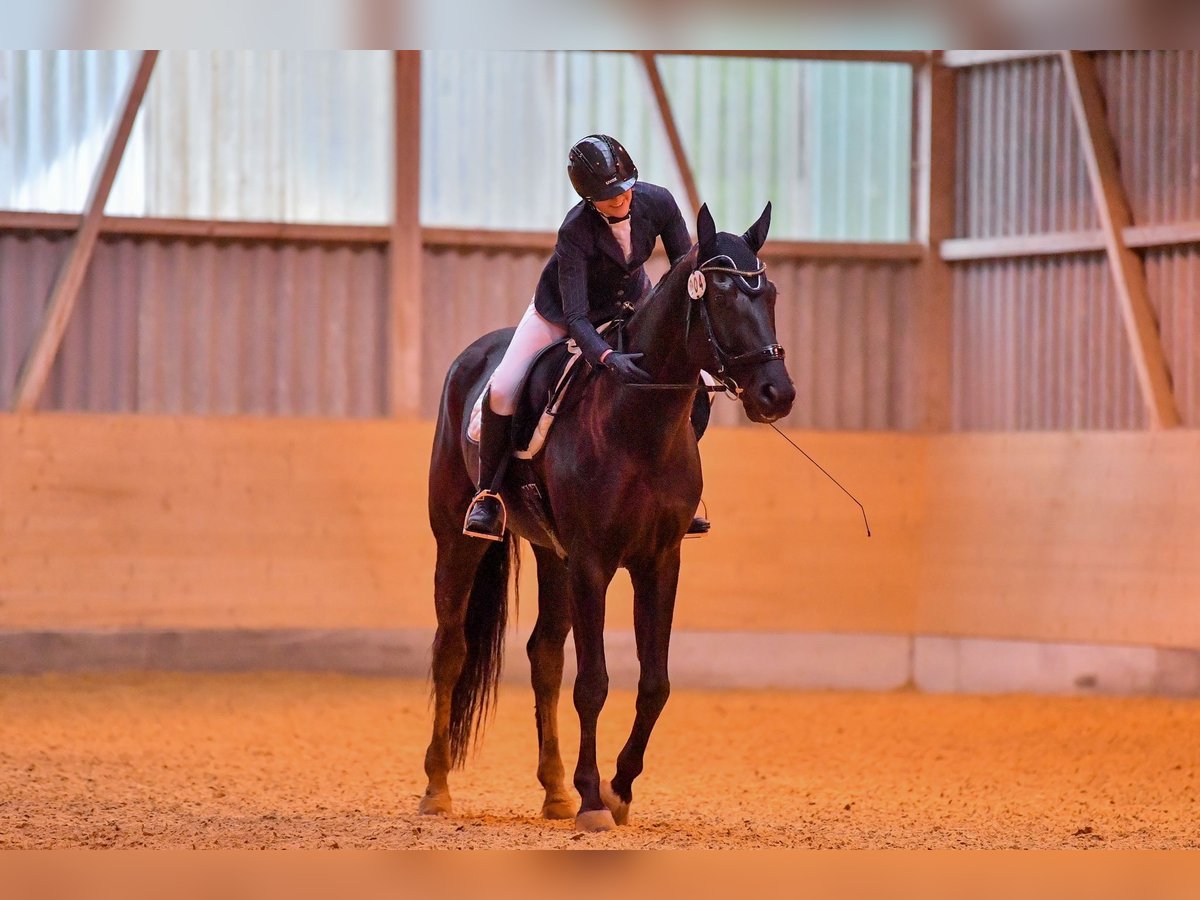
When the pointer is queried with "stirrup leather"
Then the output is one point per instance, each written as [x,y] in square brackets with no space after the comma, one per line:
[484,495]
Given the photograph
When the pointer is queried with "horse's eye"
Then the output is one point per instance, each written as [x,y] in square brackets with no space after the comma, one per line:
[722,281]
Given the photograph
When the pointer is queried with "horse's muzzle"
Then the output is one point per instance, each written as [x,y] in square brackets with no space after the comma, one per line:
[770,393]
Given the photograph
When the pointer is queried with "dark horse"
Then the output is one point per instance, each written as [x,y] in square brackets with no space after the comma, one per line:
[621,472]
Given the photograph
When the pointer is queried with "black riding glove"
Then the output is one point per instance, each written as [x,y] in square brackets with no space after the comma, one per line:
[625,367]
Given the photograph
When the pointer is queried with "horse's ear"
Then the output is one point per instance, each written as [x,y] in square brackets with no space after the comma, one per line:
[756,234]
[706,233]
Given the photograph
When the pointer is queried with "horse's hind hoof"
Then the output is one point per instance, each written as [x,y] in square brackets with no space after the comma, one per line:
[618,807]
[435,805]
[558,808]
[595,820]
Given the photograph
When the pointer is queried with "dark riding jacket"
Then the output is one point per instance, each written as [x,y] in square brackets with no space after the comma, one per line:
[588,278]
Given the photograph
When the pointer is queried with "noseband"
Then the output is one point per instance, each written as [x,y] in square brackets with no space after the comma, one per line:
[726,361]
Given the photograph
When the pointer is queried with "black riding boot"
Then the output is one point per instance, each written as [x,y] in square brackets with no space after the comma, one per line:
[701,411]
[487,517]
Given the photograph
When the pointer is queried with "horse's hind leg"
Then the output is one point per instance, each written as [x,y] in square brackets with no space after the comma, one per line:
[457,560]
[545,650]
[654,588]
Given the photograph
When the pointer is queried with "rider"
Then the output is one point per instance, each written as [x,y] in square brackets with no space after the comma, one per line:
[597,266]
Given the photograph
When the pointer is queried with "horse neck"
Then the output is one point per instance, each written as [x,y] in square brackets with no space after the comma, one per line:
[663,332]
[671,355]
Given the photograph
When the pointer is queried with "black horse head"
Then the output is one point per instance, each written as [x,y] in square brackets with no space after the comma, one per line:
[737,308]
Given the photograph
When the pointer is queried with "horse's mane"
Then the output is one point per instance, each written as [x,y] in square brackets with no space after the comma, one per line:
[674,280]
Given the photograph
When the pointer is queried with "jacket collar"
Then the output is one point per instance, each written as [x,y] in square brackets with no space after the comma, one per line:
[608,241]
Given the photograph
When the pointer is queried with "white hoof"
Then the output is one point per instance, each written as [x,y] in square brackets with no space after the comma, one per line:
[618,807]
[595,820]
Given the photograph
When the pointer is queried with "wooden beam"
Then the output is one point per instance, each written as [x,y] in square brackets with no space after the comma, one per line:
[1165,235]
[668,120]
[70,277]
[935,124]
[488,239]
[1170,234]
[1054,244]
[1128,272]
[463,238]
[245,231]
[905,57]
[404,247]
[956,59]
[846,250]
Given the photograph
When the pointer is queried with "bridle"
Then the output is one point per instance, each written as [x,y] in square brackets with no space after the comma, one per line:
[726,361]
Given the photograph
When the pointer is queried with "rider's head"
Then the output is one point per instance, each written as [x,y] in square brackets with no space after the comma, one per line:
[602,173]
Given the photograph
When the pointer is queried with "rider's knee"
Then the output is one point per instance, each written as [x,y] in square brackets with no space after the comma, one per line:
[501,400]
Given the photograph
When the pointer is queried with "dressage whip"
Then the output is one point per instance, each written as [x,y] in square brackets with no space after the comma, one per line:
[827,475]
[724,389]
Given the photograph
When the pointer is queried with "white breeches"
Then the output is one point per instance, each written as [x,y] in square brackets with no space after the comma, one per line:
[533,333]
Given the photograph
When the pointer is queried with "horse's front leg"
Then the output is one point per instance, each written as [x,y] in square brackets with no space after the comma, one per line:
[654,586]
[589,581]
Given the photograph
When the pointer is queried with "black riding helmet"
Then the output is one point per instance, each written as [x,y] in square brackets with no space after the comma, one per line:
[600,168]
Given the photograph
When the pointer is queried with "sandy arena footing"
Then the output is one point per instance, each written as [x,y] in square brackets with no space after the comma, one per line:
[314,761]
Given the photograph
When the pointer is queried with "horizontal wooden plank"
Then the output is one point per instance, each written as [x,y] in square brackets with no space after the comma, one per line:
[857,250]
[907,57]
[965,58]
[1052,244]
[210,229]
[961,249]
[466,238]
[1163,235]
[486,239]
[955,250]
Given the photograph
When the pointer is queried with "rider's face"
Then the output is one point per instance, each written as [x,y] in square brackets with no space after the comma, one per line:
[617,206]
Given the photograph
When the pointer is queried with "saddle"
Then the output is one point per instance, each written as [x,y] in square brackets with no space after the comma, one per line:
[542,393]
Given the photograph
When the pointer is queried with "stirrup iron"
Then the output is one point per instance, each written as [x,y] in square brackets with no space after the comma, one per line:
[478,498]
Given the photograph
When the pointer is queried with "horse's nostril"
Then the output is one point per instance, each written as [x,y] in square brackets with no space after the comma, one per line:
[768,394]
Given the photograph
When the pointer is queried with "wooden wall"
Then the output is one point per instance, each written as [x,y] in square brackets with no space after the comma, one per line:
[165,522]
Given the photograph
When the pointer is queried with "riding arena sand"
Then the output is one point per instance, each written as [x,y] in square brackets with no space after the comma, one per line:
[327,761]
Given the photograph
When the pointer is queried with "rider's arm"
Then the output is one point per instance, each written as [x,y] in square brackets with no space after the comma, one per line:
[675,237]
[572,287]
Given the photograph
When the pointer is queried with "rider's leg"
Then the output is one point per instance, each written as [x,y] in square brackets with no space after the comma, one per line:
[486,516]
[701,412]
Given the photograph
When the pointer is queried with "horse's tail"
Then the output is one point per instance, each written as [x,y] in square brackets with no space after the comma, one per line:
[487,615]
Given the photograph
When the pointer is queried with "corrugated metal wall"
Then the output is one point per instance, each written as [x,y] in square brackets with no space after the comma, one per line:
[56,109]
[1174,277]
[829,143]
[295,136]
[846,327]
[216,327]
[1154,111]
[1039,342]
[203,327]
[1020,167]
[28,266]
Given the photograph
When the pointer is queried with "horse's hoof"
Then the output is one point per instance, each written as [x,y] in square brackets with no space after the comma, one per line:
[618,807]
[558,808]
[595,820]
[435,805]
